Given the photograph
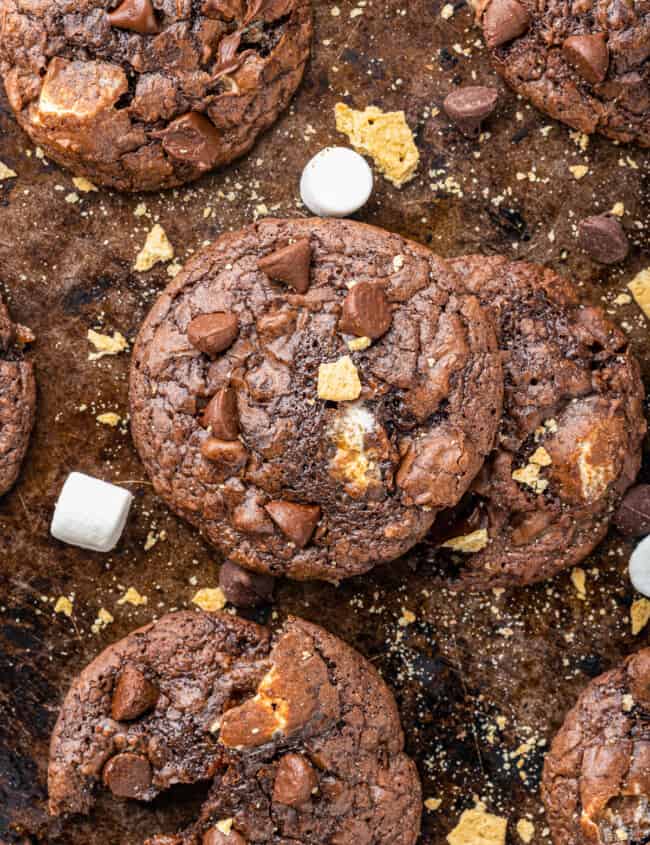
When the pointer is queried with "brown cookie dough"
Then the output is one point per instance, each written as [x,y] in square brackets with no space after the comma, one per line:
[298,732]
[584,63]
[17,398]
[571,433]
[268,416]
[596,782]
[148,94]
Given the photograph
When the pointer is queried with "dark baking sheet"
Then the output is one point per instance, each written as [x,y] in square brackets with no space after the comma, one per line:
[482,680]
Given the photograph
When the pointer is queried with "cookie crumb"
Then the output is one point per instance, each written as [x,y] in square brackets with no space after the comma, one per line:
[132,596]
[478,827]
[339,381]
[156,249]
[210,599]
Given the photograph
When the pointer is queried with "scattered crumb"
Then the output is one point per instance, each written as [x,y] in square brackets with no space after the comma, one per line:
[639,615]
[210,599]
[579,171]
[105,344]
[339,381]
[84,185]
[525,830]
[104,618]
[407,618]
[477,827]
[156,249]
[109,418]
[63,605]
[225,826]
[579,581]
[6,172]
[639,287]
[359,344]
[433,804]
[132,596]
[468,543]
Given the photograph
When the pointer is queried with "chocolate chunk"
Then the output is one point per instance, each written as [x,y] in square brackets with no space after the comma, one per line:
[213,333]
[215,837]
[192,138]
[136,15]
[229,453]
[504,20]
[128,776]
[290,265]
[220,415]
[603,238]
[230,10]
[633,516]
[243,588]
[468,107]
[133,696]
[589,55]
[295,780]
[297,522]
[366,311]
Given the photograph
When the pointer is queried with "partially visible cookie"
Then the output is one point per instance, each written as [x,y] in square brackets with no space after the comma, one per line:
[17,398]
[596,781]
[298,732]
[570,439]
[310,393]
[142,95]
[584,63]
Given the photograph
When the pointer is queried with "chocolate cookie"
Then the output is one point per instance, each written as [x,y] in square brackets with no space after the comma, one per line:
[570,439]
[311,393]
[584,63]
[298,733]
[17,398]
[147,94]
[596,782]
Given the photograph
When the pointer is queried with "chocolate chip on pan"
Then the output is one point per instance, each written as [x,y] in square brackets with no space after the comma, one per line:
[633,516]
[603,238]
[243,588]
[468,107]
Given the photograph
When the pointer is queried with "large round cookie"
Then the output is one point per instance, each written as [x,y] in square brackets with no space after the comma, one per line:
[596,782]
[353,390]
[583,62]
[298,732]
[147,94]
[17,398]
[570,439]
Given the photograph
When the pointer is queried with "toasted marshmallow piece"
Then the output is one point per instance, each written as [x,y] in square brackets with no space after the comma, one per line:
[90,513]
[640,568]
[336,182]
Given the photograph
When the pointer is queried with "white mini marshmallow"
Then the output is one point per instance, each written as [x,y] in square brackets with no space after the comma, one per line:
[336,182]
[90,513]
[640,567]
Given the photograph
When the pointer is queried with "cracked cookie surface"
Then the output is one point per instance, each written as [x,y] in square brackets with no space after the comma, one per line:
[17,398]
[583,62]
[298,733]
[310,394]
[149,94]
[569,445]
[596,781]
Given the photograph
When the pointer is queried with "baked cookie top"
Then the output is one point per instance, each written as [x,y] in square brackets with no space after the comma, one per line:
[583,62]
[148,94]
[570,439]
[298,732]
[311,393]
[17,398]
[596,781]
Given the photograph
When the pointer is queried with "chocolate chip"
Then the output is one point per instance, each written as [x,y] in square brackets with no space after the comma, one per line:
[133,695]
[297,522]
[220,415]
[216,837]
[603,239]
[192,138]
[243,588]
[469,106]
[589,55]
[633,516]
[295,780]
[291,265]
[503,21]
[213,333]
[366,312]
[127,775]
[136,15]
[228,453]
[250,517]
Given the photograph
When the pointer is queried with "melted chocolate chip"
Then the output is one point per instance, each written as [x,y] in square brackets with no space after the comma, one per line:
[228,453]
[127,776]
[366,311]
[243,588]
[297,522]
[633,516]
[135,15]
[504,20]
[133,696]
[220,415]
[589,55]
[290,265]
[603,239]
[213,333]
[192,138]
[295,780]
[468,107]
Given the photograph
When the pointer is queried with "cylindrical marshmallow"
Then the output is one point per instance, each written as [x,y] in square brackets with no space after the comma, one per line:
[640,567]
[336,182]
[90,513]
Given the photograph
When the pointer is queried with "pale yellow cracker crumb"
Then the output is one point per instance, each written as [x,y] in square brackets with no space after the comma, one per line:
[105,344]
[72,198]
[541,457]
[174,269]
[478,827]
[225,826]
[132,596]
[339,381]
[150,542]
[618,209]
[156,249]
[84,185]
[578,171]
[109,418]
[63,605]
[468,543]
[407,618]
[210,599]
[447,12]
[359,344]
[639,287]
[579,581]
[639,615]
[104,618]
[525,830]
[433,804]
[6,172]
